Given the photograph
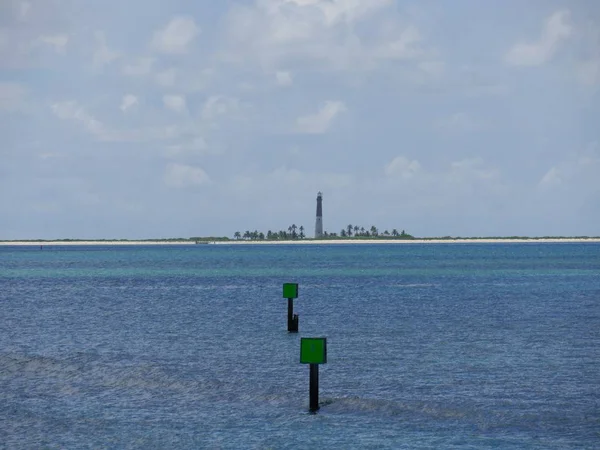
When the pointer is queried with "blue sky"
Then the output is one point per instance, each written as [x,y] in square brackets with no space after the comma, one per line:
[141,119]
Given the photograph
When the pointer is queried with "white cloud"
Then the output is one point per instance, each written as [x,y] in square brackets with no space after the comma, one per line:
[579,169]
[176,36]
[402,167]
[175,103]
[550,179]
[284,78]
[218,105]
[70,110]
[166,78]
[320,122]
[181,175]
[128,101]
[196,146]
[184,79]
[324,32]
[403,47]
[103,55]
[556,29]
[138,67]
[57,41]
[472,169]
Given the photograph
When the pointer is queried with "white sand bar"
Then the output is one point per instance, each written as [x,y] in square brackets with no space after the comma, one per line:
[307,241]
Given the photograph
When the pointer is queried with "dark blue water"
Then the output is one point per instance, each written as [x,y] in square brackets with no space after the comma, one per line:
[429,346]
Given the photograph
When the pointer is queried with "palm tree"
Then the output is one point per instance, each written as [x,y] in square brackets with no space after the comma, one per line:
[374,230]
[247,234]
[349,230]
[394,232]
[294,228]
[343,233]
[301,232]
[362,231]
[237,235]
[386,233]
[356,228]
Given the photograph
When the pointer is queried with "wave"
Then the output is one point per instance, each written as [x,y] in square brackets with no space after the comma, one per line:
[343,405]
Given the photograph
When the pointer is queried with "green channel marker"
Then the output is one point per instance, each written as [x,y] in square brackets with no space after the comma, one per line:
[313,350]
[290,290]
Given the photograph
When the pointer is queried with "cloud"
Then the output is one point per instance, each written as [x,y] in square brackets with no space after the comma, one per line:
[166,78]
[588,68]
[103,55]
[403,47]
[139,66]
[57,41]
[580,169]
[284,78]
[181,176]
[551,178]
[322,32]
[196,146]
[556,29]
[184,78]
[128,101]
[71,110]
[472,169]
[176,36]
[219,105]
[320,122]
[175,103]
[402,167]
[460,178]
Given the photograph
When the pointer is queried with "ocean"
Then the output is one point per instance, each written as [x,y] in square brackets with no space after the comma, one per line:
[428,346]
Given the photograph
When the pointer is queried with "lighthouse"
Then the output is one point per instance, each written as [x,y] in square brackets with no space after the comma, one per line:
[319,221]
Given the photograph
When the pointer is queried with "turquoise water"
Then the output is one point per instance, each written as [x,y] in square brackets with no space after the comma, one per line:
[429,346]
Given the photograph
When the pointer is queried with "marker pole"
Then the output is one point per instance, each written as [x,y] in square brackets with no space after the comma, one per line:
[292,318]
[290,314]
[314,387]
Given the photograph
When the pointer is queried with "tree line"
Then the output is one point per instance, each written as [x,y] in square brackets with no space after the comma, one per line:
[294,232]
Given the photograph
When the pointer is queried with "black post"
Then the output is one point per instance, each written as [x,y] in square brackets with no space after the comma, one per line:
[314,387]
[292,318]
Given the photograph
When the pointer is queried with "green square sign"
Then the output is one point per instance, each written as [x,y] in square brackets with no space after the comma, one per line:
[313,350]
[290,290]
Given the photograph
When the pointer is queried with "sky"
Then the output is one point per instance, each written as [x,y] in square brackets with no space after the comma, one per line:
[153,119]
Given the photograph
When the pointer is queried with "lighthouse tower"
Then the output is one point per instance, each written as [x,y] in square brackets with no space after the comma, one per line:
[319,221]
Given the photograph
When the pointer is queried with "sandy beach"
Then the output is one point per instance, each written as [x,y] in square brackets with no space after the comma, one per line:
[304,242]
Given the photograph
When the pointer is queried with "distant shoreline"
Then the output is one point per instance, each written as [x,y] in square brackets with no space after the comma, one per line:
[306,242]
